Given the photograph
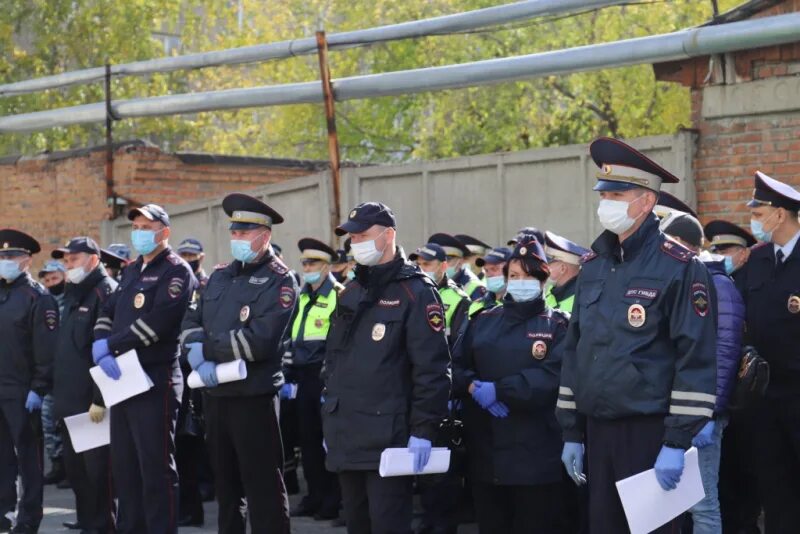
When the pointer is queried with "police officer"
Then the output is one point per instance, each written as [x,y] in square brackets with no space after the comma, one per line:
[477,249]
[638,377]
[738,485]
[339,267]
[457,268]
[243,315]
[563,257]
[144,315]
[509,364]
[492,263]
[191,250]
[304,383]
[729,240]
[116,257]
[386,375]
[28,328]
[432,260]
[88,288]
[53,277]
[769,284]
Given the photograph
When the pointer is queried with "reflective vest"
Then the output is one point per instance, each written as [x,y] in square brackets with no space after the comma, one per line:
[316,317]
[563,305]
[451,297]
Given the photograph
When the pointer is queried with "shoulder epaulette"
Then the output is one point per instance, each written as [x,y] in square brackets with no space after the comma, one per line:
[174,259]
[278,266]
[589,256]
[220,266]
[677,251]
[759,245]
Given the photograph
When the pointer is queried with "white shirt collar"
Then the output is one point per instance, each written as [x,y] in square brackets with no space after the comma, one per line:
[788,247]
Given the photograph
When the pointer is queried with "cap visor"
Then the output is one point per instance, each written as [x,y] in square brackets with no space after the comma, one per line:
[610,185]
[352,227]
[245,226]
[138,211]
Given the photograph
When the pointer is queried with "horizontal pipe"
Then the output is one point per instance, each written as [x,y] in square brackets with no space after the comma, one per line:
[684,44]
[469,20]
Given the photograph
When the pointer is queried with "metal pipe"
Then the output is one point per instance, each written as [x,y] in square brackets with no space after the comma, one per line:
[469,20]
[718,39]
[330,119]
[109,168]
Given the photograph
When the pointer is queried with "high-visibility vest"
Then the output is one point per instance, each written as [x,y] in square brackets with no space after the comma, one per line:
[451,297]
[315,317]
[563,305]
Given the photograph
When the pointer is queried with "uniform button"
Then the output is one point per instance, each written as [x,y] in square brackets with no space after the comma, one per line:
[378,412]
[613,269]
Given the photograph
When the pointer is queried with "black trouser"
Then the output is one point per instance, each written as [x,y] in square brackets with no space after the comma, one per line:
[324,495]
[518,509]
[24,431]
[143,459]
[617,449]
[8,477]
[738,484]
[89,475]
[778,463]
[288,425]
[375,505]
[244,441]
[189,458]
[440,496]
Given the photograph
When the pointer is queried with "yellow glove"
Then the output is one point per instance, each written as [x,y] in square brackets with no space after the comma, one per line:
[96,413]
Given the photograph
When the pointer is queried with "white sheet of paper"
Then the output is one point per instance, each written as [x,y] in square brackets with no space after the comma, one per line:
[400,462]
[85,434]
[133,381]
[647,506]
[226,372]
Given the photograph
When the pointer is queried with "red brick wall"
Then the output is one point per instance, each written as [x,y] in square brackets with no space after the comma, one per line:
[730,150]
[57,197]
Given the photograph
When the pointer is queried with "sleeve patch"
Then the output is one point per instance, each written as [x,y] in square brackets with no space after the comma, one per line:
[433,313]
[175,287]
[700,299]
[51,319]
[286,297]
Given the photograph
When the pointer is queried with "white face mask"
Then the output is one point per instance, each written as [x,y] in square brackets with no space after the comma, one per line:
[613,215]
[76,275]
[366,253]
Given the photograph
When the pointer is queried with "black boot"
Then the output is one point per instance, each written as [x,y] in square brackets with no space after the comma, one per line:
[57,473]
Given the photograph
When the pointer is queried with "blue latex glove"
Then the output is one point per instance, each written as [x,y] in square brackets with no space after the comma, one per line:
[286,392]
[208,373]
[705,437]
[498,409]
[195,356]
[484,394]
[110,367]
[422,452]
[34,402]
[100,350]
[669,467]
[572,458]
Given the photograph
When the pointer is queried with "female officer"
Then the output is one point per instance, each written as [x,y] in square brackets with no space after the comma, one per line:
[509,362]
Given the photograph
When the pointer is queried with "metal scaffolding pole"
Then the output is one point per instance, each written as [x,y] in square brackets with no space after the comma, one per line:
[684,44]
[469,20]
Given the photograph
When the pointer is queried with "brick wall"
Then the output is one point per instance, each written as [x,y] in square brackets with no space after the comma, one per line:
[730,149]
[57,196]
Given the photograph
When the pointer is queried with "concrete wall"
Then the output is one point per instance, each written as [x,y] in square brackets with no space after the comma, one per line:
[489,197]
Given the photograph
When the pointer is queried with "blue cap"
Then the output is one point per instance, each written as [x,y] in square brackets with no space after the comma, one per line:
[770,192]
[76,245]
[120,250]
[153,212]
[495,256]
[559,248]
[190,245]
[52,266]
[366,215]
[429,252]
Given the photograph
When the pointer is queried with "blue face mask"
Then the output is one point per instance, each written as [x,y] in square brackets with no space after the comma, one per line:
[240,250]
[450,272]
[495,283]
[351,274]
[144,241]
[312,278]
[9,270]
[757,228]
[729,267]
[524,290]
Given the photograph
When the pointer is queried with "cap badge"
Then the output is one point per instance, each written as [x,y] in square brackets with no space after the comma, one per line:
[794,304]
[353,214]
[607,169]
[244,313]
[636,315]
[523,251]
[138,300]
[5,245]
[378,331]
[539,350]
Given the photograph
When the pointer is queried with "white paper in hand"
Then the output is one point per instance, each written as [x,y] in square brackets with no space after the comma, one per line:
[85,434]
[133,381]
[647,506]
[400,462]
[226,372]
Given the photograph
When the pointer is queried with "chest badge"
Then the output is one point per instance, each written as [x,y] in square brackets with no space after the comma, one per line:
[794,304]
[539,349]
[244,313]
[378,331]
[318,323]
[636,315]
[138,300]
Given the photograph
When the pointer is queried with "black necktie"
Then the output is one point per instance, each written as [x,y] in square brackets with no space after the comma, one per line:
[779,256]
